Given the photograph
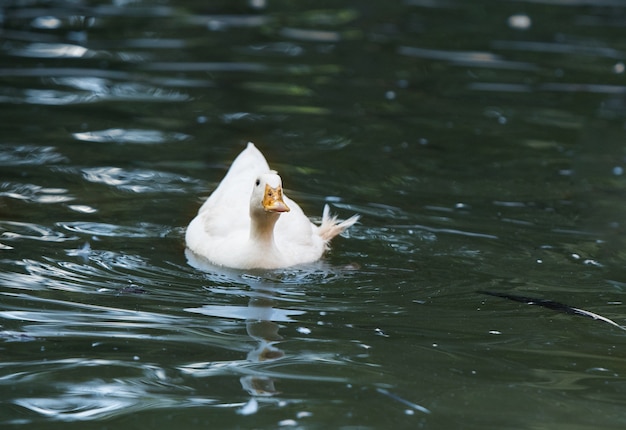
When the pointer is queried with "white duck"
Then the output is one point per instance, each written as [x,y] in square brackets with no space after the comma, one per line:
[247,222]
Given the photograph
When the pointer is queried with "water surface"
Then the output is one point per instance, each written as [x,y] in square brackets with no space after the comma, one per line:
[482,143]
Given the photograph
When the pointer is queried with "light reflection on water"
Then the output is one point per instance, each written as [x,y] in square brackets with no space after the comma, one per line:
[19,155]
[50,50]
[484,151]
[145,384]
[138,180]
[118,135]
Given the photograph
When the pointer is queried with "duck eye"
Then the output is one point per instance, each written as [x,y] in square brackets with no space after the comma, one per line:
[258,182]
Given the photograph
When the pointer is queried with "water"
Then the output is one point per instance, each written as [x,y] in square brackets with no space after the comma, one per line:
[482,143]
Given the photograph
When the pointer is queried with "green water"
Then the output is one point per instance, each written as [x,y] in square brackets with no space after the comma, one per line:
[481,142]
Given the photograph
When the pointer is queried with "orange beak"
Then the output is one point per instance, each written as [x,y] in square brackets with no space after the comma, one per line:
[273,200]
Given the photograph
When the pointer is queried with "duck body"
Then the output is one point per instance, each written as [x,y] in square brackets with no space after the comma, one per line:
[248,222]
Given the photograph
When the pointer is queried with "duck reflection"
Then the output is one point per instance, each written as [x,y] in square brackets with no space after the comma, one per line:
[262,316]
[264,330]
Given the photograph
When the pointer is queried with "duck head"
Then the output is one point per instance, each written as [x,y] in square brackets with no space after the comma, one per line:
[267,195]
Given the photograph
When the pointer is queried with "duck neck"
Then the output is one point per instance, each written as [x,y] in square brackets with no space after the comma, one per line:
[262,229]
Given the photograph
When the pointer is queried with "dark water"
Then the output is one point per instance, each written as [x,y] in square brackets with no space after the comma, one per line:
[482,142]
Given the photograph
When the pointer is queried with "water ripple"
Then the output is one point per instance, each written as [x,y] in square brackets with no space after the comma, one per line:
[125,91]
[82,74]
[559,48]
[145,387]
[51,50]
[52,318]
[269,369]
[466,58]
[247,312]
[16,231]
[207,67]
[311,35]
[138,180]
[51,97]
[34,193]
[142,229]
[93,270]
[561,87]
[282,48]
[21,155]
[227,22]
[120,135]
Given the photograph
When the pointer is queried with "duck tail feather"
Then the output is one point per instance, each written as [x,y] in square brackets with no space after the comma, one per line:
[331,226]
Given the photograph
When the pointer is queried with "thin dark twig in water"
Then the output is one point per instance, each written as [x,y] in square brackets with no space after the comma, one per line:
[555,306]
[405,402]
